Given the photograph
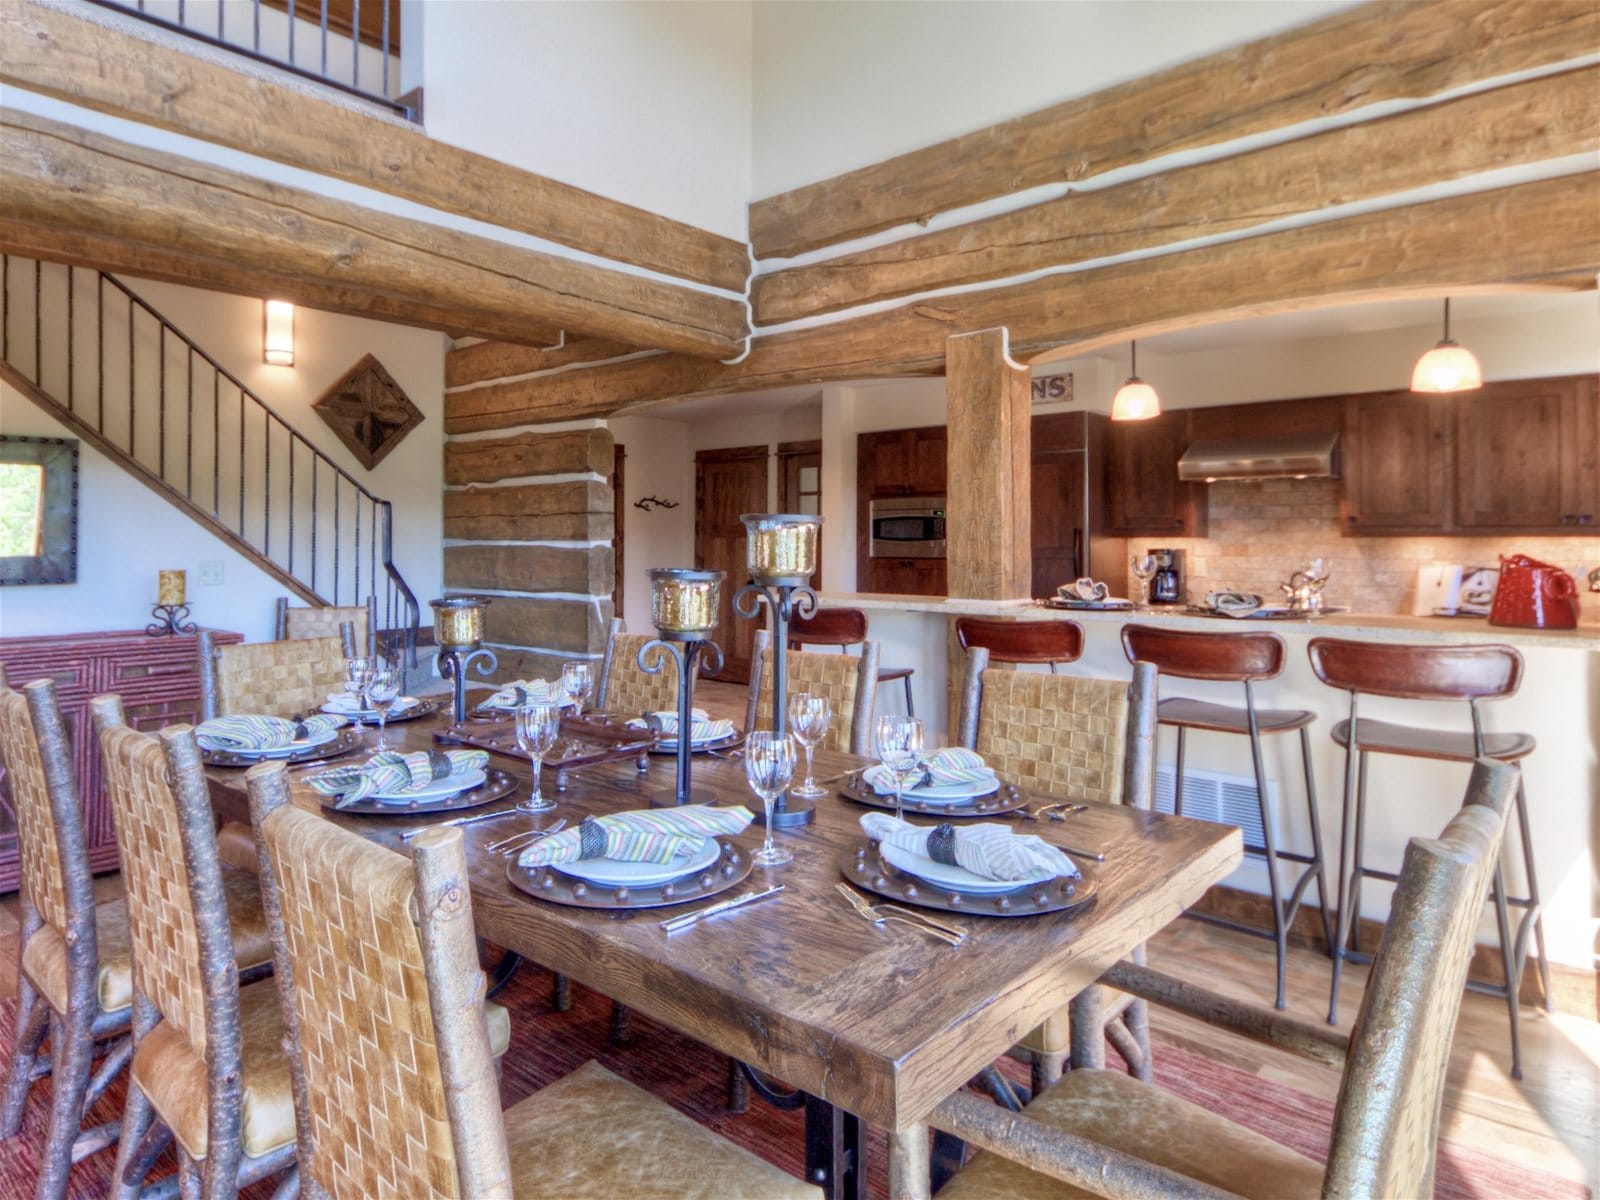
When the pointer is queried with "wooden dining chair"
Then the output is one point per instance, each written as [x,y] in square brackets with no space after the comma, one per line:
[74,975]
[208,1067]
[846,627]
[624,686]
[849,681]
[279,679]
[1099,1133]
[1076,738]
[385,1011]
[329,620]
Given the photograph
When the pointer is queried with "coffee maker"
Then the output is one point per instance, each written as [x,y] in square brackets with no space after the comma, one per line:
[1167,585]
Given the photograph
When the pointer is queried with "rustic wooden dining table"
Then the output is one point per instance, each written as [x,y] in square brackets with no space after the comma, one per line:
[879,1022]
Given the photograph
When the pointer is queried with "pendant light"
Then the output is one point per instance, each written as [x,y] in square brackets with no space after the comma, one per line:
[1135,400]
[1448,367]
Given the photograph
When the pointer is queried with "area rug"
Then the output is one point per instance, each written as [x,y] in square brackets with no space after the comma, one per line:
[547,1044]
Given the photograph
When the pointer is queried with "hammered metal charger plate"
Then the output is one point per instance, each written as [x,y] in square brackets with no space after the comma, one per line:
[1008,798]
[863,867]
[425,706]
[348,739]
[731,869]
[495,785]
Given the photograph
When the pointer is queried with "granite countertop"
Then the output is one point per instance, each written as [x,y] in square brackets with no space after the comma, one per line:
[1377,626]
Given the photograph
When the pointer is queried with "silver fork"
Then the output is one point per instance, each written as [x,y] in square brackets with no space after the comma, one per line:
[527,837]
[879,913]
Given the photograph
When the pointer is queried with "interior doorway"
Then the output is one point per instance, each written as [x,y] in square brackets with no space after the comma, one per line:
[728,483]
[800,484]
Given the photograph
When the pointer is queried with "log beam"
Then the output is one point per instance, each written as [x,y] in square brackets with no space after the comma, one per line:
[116,65]
[990,401]
[208,222]
[488,361]
[1528,122]
[1548,230]
[1346,61]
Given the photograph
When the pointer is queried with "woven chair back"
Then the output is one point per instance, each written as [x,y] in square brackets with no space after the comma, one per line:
[839,677]
[1386,1120]
[1061,734]
[162,921]
[279,679]
[628,689]
[300,624]
[42,879]
[375,1090]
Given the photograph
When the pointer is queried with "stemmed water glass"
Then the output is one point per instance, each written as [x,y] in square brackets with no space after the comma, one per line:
[898,742]
[809,716]
[357,675]
[1144,570]
[577,685]
[769,766]
[538,725]
[383,689]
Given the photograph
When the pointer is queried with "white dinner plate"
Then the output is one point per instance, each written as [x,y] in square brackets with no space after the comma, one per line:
[451,785]
[957,879]
[345,706]
[307,743]
[608,872]
[950,793]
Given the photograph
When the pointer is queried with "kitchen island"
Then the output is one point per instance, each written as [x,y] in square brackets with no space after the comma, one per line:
[1558,702]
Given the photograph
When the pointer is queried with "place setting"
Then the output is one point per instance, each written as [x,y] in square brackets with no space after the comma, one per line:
[705,735]
[952,782]
[986,869]
[242,740]
[393,783]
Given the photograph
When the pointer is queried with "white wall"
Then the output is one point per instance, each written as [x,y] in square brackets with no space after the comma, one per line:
[127,533]
[645,103]
[659,463]
[843,85]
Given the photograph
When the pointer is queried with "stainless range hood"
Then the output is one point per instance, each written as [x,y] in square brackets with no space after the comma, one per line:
[1285,456]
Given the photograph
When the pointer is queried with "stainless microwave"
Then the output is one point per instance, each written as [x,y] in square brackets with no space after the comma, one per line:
[907,527]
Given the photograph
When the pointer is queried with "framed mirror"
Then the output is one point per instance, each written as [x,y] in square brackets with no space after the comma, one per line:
[38,510]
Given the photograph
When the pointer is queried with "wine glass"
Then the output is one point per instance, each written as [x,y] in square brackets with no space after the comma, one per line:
[383,689]
[357,674]
[898,742]
[538,725]
[577,684]
[809,716]
[1144,570]
[769,766]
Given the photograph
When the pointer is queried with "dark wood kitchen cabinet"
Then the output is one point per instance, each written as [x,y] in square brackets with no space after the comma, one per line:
[1397,457]
[1528,457]
[1144,496]
[898,462]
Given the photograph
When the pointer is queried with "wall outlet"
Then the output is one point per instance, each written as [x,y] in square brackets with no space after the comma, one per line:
[211,574]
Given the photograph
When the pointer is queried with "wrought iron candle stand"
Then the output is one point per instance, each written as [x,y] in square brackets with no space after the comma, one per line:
[782,557]
[170,619]
[458,628]
[683,604]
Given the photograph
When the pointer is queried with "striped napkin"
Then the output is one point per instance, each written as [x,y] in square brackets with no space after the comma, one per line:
[653,835]
[989,850]
[943,768]
[390,772]
[524,692]
[242,732]
[703,729]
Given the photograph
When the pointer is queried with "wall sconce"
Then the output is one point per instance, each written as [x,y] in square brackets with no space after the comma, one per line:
[277,338]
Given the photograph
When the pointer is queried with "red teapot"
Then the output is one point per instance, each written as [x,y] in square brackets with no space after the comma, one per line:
[1534,595]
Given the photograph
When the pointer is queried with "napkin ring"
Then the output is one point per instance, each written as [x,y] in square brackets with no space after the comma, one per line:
[591,839]
[439,765]
[942,844]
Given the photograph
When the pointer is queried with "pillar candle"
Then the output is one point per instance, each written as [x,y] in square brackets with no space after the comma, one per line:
[171,588]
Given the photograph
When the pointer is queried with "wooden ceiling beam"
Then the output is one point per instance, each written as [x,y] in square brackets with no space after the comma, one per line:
[498,360]
[112,64]
[199,216]
[1539,119]
[1357,57]
[1534,231]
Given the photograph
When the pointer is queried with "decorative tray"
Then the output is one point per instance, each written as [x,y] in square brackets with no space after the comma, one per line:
[863,867]
[1008,798]
[584,742]
[496,785]
[348,739]
[548,883]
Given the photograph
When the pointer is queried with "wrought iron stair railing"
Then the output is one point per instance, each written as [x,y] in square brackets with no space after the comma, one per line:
[94,355]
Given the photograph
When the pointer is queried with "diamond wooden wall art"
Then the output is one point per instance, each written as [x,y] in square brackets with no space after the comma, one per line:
[369,411]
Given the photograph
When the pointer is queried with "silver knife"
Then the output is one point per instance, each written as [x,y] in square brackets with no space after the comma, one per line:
[488,816]
[684,920]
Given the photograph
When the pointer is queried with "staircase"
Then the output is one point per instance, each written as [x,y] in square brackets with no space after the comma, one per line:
[97,358]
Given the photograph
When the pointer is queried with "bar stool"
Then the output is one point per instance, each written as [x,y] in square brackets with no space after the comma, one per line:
[1403,672]
[845,627]
[1245,658]
[1048,642]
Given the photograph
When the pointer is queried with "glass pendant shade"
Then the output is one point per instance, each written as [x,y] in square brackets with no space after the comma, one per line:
[1135,400]
[277,343]
[1448,367]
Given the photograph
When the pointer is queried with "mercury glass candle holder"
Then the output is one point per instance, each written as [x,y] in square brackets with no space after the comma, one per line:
[684,602]
[458,621]
[781,547]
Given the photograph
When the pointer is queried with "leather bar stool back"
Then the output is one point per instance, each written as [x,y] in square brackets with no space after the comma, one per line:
[1245,659]
[1464,674]
[845,627]
[1049,643]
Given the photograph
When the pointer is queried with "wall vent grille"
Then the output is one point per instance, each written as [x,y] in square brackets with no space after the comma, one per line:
[1228,799]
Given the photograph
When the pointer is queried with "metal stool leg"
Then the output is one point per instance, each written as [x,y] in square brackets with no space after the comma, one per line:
[1316,835]
[1502,920]
[1358,865]
[1535,904]
[1343,880]
[911,709]
[1270,845]
[1177,776]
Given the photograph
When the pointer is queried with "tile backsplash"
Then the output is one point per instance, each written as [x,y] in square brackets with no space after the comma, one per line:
[1260,532]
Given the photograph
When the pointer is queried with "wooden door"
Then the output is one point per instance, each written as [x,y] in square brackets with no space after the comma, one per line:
[1143,493]
[800,485]
[1527,457]
[728,483]
[1060,501]
[1396,463]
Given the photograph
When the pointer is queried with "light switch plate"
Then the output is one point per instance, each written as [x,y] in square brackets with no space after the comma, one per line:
[211,574]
